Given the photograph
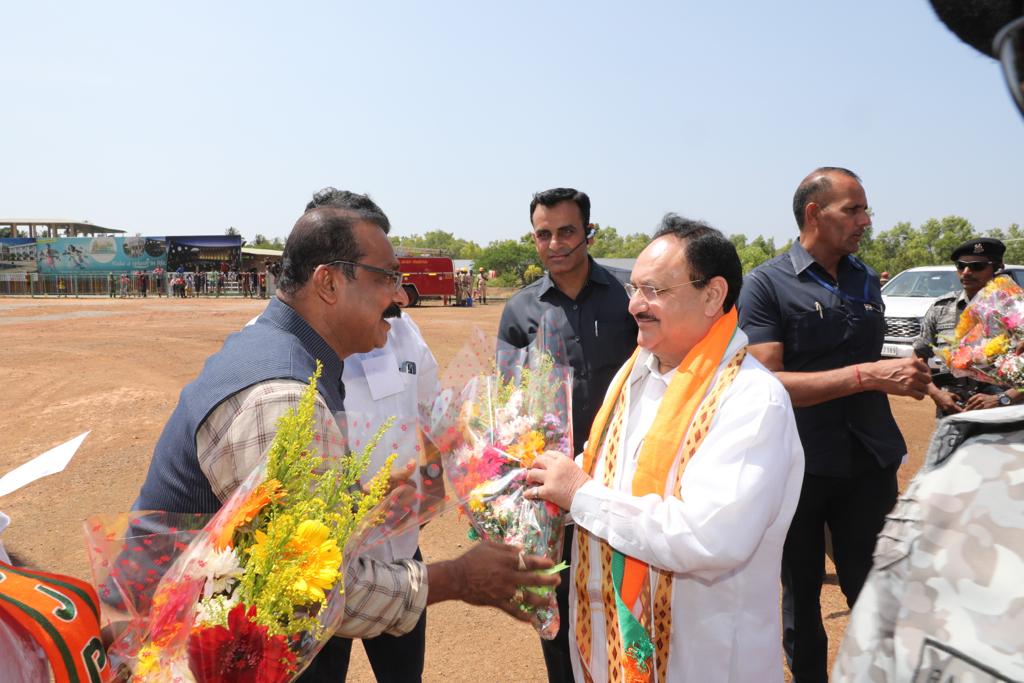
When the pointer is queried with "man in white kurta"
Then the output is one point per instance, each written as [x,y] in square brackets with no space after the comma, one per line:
[718,536]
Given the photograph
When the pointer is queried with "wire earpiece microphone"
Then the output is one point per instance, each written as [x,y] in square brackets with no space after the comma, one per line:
[588,236]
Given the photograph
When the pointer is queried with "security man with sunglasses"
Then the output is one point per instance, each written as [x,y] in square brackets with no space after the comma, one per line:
[977,262]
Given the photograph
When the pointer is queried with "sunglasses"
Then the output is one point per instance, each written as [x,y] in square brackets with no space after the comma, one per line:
[973,266]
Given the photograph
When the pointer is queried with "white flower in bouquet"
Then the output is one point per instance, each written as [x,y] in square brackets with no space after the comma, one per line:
[510,428]
[214,611]
[220,570]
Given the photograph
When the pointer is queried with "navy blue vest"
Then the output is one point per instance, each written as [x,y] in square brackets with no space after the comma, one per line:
[281,345]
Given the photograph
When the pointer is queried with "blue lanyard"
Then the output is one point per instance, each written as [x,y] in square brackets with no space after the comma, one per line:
[839,293]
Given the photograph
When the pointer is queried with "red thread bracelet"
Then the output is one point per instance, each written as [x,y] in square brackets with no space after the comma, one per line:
[856,371]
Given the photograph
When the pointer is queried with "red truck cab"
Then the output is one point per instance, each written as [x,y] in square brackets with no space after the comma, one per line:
[426,276]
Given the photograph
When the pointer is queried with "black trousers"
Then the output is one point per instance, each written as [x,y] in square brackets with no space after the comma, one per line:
[854,509]
[394,659]
[556,651]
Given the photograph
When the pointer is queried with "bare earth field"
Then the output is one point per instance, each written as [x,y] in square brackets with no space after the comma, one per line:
[115,367]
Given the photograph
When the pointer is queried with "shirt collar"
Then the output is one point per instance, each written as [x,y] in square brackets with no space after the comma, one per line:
[597,275]
[802,259]
[284,316]
[647,364]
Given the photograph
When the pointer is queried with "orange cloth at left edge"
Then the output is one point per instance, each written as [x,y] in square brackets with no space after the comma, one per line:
[62,615]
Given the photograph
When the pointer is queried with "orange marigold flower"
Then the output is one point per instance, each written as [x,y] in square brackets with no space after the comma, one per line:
[268,492]
[527,448]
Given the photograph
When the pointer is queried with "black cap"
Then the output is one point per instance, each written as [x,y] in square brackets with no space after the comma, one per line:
[981,246]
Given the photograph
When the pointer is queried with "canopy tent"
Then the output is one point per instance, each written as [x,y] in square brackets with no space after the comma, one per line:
[51,227]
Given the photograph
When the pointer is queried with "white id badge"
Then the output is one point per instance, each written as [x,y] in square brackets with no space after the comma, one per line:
[382,376]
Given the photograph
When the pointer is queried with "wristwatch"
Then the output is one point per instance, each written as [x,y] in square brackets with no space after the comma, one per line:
[432,470]
[1004,400]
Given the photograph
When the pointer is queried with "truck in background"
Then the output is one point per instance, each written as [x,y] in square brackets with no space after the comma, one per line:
[426,273]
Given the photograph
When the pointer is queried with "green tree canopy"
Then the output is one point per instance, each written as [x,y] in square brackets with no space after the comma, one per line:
[509,259]
[439,239]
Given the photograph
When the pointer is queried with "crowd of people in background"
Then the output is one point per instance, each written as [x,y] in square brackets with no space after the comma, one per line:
[471,287]
[193,280]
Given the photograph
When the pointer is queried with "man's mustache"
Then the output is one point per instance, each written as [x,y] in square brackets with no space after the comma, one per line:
[392,311]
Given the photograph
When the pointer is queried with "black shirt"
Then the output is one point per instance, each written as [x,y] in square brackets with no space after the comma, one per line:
[596,329]
[823,325]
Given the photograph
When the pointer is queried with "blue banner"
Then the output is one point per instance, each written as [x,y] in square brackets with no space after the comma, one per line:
[105,253]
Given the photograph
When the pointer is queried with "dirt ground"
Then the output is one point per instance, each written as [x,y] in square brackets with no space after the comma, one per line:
[115,367]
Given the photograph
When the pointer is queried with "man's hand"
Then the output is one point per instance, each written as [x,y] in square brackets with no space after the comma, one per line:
[396,477]
[491,574]
[559,478]
[897,376]
[946,401]
[982,401]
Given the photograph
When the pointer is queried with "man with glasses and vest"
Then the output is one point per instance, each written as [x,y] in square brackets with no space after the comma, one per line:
[977,262]
[686,487]
[945,598]
[339,280]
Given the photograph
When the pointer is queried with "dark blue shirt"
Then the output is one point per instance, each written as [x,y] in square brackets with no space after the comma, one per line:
[823,325]
[595,331]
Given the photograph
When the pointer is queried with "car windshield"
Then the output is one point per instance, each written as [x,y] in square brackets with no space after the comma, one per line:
[922,283]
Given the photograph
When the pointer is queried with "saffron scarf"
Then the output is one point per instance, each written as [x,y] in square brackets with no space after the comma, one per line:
[662,443]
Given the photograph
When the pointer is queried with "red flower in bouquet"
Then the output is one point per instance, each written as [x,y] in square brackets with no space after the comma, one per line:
[172,607]
[241,653]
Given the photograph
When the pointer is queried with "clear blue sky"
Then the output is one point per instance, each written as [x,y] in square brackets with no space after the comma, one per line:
[189,117]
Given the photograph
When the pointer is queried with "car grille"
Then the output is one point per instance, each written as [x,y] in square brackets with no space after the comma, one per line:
[902,327]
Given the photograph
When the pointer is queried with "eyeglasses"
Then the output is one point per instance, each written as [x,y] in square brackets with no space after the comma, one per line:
[394,276]
[649,293]
[973,266]
[1008,47]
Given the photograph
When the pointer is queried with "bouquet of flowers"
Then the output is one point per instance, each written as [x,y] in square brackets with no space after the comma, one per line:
[255,594]
[489,434]
[990,329]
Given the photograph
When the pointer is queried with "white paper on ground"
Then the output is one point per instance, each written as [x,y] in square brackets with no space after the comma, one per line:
[50,462]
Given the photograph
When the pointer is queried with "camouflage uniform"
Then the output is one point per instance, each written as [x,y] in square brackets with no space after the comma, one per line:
[945,598]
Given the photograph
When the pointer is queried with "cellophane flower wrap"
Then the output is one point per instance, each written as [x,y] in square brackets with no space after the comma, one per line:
[987,334]
[252,593]
[489,425]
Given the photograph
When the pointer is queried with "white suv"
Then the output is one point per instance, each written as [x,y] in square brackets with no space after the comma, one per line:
[907,298]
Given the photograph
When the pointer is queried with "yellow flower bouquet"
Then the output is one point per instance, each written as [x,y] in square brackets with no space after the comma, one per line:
[256,593]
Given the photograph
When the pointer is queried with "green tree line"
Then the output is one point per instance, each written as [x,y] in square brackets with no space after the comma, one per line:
[512,259]
[900,247]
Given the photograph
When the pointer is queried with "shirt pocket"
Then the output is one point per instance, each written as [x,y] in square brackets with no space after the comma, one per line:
[816,331]
[614,342]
